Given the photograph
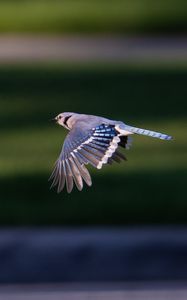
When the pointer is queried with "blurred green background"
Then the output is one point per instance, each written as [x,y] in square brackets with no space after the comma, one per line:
[150,188]
[92,16]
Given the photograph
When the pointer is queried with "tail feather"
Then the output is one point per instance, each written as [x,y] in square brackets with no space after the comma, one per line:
[146,132]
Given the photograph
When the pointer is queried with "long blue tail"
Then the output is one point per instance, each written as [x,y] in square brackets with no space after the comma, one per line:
[151,133]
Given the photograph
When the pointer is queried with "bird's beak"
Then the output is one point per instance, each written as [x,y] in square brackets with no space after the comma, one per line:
[54,120]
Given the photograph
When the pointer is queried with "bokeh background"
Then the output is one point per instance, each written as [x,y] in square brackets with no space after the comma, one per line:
[148,188]
[147,90]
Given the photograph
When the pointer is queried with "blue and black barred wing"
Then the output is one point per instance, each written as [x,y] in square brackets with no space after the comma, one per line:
[97,146]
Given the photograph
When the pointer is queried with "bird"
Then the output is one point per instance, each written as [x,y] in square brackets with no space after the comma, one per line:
[91,140]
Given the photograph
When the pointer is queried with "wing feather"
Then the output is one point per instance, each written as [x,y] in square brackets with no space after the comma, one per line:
[90,157]
[76,174]
[83,171]
[95,146]
[69,176]
[60,179]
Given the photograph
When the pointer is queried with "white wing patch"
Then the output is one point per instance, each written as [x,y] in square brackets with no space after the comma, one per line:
[112,148]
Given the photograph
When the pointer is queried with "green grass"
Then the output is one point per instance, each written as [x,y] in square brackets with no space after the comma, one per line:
[148,188]
[81,16]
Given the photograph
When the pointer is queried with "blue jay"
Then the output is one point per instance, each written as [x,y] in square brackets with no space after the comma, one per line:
[92,140]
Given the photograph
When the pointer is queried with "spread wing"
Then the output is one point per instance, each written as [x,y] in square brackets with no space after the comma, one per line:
[96,146]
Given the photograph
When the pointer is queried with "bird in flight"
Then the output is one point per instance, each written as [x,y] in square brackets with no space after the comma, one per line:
[91,140]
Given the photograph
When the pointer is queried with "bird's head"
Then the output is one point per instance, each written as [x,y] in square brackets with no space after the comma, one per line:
[63,119]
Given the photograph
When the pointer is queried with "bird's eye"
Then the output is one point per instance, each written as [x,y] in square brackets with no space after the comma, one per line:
[60,117]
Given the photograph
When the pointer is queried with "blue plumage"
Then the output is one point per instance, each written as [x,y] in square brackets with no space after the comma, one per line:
[91,140]
[107,131]
[146,132]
